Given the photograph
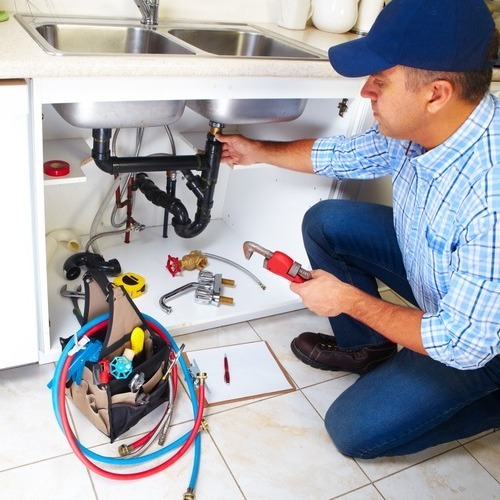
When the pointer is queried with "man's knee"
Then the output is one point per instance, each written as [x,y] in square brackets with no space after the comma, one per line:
[350,430]
[329,216]
[342,431]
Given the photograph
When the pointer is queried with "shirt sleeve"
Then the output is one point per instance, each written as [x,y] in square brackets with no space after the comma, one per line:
[465,331]
[363,156]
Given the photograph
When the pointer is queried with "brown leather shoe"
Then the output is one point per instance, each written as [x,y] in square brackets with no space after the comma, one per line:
[321,351]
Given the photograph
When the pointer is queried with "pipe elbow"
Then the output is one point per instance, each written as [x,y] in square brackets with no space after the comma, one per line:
[67,236]
[191,229]
[106,165]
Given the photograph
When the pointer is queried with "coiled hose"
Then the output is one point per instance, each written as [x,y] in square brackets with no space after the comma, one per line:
[86,456]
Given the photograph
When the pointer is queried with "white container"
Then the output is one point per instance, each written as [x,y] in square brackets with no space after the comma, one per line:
[294,14]
[367,13]
[335,16]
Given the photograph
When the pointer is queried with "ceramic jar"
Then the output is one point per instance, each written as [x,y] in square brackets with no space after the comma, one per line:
[367,13]
[335,16]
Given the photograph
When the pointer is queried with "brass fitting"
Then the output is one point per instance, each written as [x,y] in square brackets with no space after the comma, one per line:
[194,260]
[204,425]
[189,495]
[226,300]
[125,450]
[201,377]
[216,128]
[223,299]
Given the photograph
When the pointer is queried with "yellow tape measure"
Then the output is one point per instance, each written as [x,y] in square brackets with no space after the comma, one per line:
[134,284]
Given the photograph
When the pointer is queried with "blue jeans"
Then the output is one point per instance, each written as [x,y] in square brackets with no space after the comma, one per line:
[411,402]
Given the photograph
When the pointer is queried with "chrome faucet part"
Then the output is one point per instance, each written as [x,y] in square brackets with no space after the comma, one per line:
[173,293]
[278,263]
[149,11]
[207,291]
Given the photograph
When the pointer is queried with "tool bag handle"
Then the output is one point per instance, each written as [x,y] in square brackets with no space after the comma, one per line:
[101,297]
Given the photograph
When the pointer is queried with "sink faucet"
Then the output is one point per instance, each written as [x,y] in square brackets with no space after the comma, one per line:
[149,11]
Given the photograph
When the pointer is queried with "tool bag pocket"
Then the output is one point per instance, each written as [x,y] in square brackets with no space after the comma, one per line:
[128,379]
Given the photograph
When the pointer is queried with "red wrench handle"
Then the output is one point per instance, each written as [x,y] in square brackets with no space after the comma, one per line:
[283,265]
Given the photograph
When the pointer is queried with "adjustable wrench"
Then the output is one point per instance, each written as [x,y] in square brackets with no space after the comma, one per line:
[278,263]
[74,296]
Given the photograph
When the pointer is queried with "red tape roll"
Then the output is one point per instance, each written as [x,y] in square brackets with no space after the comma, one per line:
[56,168]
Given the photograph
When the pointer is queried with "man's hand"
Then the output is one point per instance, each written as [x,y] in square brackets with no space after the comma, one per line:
[292,155]
[323,294]
[326,295]
[237,149]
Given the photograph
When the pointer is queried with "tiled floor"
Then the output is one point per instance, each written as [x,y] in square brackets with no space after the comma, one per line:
[272,448]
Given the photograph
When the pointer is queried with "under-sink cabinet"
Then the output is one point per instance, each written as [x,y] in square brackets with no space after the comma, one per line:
[19,272]
[260,203]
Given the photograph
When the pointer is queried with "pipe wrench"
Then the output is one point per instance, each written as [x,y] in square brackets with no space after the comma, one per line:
[278,263]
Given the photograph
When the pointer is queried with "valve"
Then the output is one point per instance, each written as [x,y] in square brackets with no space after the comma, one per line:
[193,260]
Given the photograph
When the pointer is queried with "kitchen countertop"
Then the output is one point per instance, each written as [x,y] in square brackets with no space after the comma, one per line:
[22,57]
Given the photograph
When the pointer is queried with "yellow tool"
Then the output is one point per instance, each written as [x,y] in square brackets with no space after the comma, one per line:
[137,340]
[134,284]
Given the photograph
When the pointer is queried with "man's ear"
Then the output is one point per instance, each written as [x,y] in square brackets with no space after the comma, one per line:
[440,93]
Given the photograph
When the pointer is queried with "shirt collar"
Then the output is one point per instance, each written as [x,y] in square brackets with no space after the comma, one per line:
[438,160]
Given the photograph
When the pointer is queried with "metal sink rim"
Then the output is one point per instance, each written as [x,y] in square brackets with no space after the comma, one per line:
[30,23]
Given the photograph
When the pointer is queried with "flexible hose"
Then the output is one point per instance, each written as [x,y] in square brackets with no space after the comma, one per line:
[235,264]
[59,398]
[98,216]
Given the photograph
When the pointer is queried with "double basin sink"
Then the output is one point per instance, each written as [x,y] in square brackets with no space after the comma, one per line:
[94,37]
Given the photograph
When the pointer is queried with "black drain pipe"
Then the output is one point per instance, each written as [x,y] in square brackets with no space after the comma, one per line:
[202,186]
[114,165]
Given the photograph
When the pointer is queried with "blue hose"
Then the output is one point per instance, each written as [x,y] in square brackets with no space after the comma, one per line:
[56,381]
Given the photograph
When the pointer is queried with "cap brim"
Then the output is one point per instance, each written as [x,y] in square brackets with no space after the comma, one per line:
[354,58]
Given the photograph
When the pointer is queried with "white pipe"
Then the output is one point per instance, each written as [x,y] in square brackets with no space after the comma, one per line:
[67,236]
[50,248]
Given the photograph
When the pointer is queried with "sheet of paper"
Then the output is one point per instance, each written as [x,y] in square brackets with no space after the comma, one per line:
[254,371]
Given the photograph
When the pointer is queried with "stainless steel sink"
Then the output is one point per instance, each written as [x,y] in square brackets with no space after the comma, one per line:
[63,36]
[103,39]
[240,42]
[248,111]
[119,114]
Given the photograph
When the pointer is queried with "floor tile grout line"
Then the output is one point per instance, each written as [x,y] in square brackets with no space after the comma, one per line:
[415,464]
[226,463]
[479,462]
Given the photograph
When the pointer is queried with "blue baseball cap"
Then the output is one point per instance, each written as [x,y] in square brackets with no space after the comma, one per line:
[439,35]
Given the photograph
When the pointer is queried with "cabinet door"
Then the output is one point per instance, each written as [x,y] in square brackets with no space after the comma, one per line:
[19,333]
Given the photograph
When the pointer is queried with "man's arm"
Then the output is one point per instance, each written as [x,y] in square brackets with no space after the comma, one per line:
[294,155]
[326,295]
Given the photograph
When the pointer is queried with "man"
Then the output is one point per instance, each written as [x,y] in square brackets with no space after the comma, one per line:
[429,66]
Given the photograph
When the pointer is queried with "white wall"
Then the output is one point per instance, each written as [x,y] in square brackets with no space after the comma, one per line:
[201,10]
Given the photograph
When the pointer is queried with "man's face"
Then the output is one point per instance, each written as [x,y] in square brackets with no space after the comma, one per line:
[400,112]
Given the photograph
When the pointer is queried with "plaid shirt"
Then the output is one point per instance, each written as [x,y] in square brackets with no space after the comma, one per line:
[447,218]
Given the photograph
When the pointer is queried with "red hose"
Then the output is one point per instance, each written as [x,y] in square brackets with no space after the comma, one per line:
[144,439]
[70,436]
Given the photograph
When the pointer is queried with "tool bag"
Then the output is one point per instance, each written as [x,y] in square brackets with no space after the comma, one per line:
[120,375]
